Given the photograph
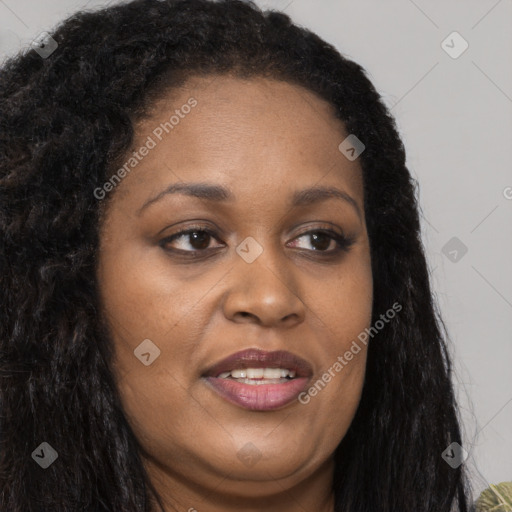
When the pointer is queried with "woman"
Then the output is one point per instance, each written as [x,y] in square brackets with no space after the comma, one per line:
[215,291]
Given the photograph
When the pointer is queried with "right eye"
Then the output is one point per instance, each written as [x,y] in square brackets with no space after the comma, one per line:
[196,238]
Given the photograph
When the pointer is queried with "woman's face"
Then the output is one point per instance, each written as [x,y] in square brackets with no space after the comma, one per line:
[256,272]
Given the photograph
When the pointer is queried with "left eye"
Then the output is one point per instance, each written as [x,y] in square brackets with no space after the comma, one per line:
[197,240]
[320,240]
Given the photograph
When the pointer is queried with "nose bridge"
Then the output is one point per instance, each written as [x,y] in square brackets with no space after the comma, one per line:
[263,286]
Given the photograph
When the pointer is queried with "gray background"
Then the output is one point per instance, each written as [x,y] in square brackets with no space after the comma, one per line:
[455,117]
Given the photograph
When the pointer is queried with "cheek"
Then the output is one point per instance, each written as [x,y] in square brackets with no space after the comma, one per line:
[145,297]
[343,303]
[145,311]
[343,309]
[158,407]
[143,301]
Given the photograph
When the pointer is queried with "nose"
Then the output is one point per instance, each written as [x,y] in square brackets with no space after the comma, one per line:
[265,292]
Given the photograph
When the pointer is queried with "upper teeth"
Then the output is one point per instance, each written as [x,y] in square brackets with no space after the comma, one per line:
[259,373]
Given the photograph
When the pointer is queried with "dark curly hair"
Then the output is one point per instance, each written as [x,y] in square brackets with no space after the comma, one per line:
[65,120]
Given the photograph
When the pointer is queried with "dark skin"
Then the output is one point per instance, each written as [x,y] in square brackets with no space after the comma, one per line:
[262,140]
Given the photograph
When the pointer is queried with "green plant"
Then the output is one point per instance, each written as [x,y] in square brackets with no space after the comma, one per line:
[496,498]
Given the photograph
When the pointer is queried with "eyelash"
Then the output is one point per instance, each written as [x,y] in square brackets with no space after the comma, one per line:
[343,242]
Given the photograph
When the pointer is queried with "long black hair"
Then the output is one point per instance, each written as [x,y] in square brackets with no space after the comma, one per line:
[66,115]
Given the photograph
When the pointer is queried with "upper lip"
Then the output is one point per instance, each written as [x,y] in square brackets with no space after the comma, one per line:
[256,358]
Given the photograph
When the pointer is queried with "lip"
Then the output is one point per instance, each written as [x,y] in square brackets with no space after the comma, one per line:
[263,397]
[256,358]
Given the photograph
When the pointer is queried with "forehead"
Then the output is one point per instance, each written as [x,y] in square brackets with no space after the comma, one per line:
[243,133]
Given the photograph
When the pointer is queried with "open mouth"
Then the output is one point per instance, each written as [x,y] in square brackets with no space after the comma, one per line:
[259,380]
[258,376]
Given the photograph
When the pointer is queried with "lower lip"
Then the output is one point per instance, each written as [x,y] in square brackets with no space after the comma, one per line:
[259,397]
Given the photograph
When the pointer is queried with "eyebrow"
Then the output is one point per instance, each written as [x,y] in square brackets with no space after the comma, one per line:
[218,193]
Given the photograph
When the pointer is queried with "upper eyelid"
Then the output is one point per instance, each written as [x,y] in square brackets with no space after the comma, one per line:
[213,234]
